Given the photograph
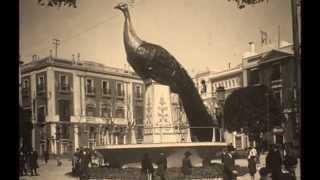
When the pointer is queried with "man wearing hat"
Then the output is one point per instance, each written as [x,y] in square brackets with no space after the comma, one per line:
[187,165]
[228,164]
[162,166]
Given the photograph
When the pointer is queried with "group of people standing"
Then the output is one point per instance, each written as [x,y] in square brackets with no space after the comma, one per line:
[148,172]
[82,158]
[28,161]
[281,162]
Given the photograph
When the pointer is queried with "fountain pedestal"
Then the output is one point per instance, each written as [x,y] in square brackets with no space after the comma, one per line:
[158,121]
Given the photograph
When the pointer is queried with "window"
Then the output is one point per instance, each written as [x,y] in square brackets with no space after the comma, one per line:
[233,83]
[25,84]
[138,91]
[212,88]
[276,72]
[119,112]
[90,87]
[65,132]
[106,90]
[139,114]
[203,87]
[140,133]
[278,96]
[91,110]
[64,110]
[254,77]
[25,88]
[40,83]
[120,90]
[64,83]
[41,114]
[106,110]
[92,133]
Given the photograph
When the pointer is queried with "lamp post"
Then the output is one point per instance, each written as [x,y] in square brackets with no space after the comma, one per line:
[221,93]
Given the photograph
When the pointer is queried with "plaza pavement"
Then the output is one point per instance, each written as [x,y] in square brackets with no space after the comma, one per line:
[51,171]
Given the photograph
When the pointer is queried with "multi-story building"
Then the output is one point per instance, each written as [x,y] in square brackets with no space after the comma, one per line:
[80,103]
[275,68]
[208,84]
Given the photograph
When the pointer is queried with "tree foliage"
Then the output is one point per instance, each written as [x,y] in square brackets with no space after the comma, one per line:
[253,109]
[58,3]
[242,3]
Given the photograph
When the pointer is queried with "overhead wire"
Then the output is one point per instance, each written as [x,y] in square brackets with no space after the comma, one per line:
[131,3]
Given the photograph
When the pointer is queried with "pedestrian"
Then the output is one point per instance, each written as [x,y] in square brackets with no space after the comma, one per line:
[76,162]
[100,158]
[59,163]
[223,154]
[34,163]
[274,161]
[265,174]
[22,163]
[84,163]
[252,167]
[252,152]
[290,160]
[229,172]
[28,162]
[187,166]
[46,156]
[146,167]
[162,167]
[285,174]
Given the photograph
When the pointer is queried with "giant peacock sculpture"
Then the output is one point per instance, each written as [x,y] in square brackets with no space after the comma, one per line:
[151,61]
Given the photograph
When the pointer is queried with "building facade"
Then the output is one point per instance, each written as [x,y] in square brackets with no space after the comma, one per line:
[275,68]
[80,103]
[208,84]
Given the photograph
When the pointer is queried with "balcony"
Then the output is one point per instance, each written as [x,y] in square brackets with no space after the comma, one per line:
[119,121]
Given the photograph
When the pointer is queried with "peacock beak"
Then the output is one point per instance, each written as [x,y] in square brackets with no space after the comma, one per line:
[117,7]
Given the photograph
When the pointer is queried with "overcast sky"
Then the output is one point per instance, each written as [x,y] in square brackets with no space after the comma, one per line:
[201,34]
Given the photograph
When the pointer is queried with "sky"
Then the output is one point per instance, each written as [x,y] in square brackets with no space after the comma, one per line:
[200,34]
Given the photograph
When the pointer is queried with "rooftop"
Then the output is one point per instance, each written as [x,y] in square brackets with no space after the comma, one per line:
[83,65]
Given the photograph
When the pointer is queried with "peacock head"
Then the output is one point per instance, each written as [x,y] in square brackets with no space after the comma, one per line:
[122,6]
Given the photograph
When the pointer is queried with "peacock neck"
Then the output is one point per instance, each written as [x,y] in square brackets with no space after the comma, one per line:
[131,39]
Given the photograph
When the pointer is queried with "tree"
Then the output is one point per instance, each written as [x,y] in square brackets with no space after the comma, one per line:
[252,109]
[242,3]
[58,3]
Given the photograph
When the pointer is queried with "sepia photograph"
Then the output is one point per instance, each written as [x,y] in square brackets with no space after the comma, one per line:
[160,90]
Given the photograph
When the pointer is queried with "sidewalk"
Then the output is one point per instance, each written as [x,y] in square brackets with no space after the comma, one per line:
[51,171]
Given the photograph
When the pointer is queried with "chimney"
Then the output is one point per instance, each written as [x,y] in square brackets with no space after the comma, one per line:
[50,53]
[252,47]
[73,59]
[34,57]
[78,56]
